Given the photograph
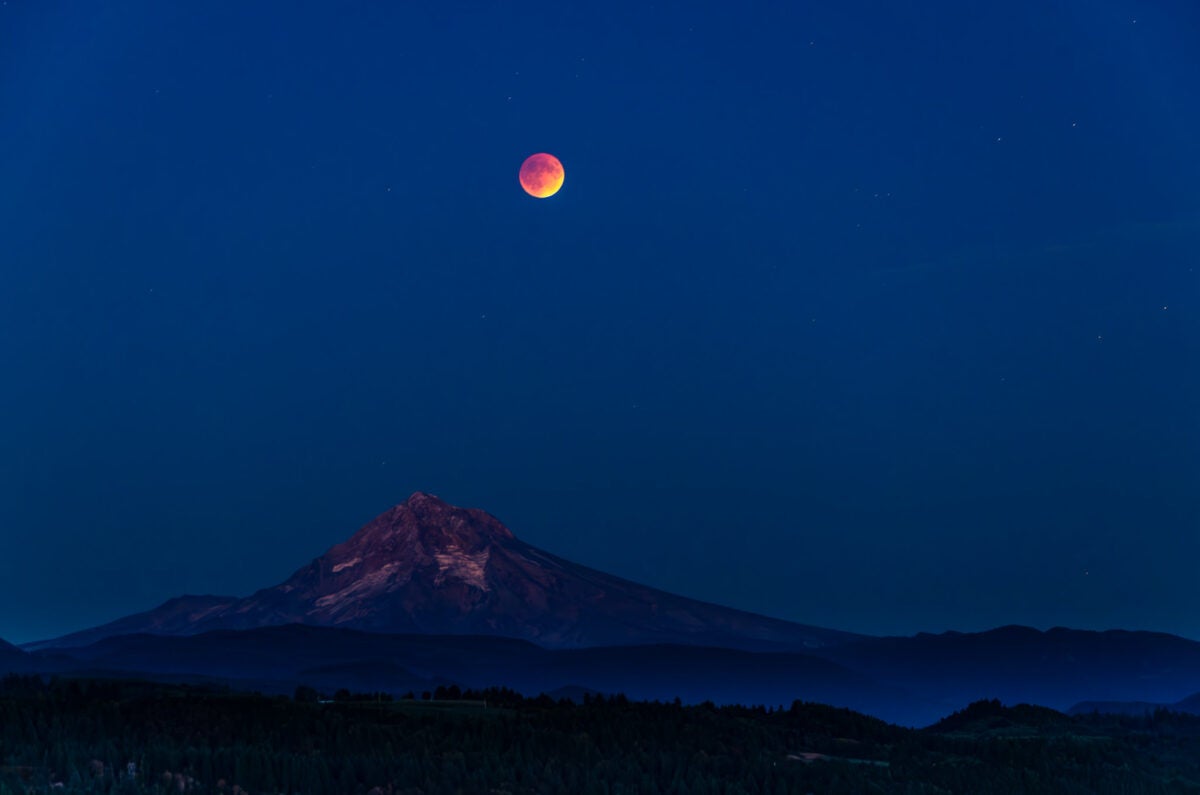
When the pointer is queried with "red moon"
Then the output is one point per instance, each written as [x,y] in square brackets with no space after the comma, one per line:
[541,175]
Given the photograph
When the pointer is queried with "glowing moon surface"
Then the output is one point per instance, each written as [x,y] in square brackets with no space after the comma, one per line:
[541,175]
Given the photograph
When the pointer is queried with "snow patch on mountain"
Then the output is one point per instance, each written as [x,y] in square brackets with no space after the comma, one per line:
[455,563]
[369,583]
[346,565]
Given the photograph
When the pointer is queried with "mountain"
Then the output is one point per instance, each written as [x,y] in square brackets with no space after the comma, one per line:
[1057,668]
[276,659]
[428,567]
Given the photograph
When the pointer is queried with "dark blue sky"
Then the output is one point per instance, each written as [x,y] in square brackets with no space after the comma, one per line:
[880,316]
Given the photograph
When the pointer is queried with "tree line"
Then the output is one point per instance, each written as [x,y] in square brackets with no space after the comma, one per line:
[110,736]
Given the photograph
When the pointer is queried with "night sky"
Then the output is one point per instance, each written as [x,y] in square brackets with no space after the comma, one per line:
[871,315]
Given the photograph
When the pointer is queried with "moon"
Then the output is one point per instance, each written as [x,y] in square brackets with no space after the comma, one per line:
[541,175]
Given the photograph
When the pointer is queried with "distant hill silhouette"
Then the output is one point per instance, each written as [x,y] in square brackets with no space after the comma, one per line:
[13,660]
[1057,668]
[910,681]
[332,657]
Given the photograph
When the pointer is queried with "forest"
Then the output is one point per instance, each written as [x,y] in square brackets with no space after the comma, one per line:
[122,736]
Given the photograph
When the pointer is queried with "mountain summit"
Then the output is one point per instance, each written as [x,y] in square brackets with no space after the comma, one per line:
[427,566]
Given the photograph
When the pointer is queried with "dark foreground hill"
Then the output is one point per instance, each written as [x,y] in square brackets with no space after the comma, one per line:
[429,567]
[74,736]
